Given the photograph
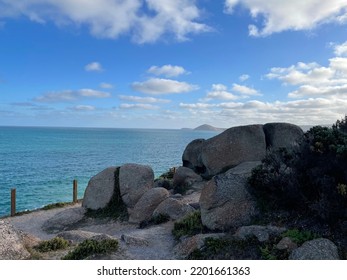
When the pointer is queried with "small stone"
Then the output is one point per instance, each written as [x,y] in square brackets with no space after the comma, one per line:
[286,244]
[134,241]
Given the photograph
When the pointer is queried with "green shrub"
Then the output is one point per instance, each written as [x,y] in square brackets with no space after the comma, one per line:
[309,179]
[299,236]
[56,205]
[54,244]
[228,249]
[189,225]
[91,247]
[169,174]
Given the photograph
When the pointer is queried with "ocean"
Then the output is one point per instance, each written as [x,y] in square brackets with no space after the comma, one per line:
[42,162]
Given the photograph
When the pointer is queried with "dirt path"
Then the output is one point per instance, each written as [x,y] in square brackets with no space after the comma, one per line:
[155,242]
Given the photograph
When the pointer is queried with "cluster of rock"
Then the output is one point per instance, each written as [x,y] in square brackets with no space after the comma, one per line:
[133,185]
[218,167]
[237,145]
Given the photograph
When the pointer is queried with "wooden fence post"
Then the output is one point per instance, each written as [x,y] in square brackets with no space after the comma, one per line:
[13,202]
[74,195]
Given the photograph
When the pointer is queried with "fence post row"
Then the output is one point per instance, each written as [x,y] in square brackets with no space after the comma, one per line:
[13,197]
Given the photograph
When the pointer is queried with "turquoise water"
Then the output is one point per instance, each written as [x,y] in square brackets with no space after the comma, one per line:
[41,163]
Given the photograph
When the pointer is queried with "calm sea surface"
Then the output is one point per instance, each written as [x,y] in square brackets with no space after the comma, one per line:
[41,163]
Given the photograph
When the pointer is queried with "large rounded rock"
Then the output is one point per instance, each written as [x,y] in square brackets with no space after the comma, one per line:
[282,135]
[232,147]
[225,201]
[134,181]
[100,189]
[11,243]
[191,157]
[317,249]
[144,208]
[173,208]
[184,178]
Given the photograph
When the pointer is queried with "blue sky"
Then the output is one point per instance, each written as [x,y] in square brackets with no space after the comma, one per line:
[172,64]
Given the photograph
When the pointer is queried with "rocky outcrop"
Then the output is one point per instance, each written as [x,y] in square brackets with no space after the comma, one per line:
[236,145]
[11,243]
[134,181]
[282,135]
[184,178]
[173,208]
[192,156]
[144,208]
[317,249]
[232,147]
[100,189]
[225,201]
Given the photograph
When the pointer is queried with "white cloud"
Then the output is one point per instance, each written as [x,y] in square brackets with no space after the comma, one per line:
[341,50]
[93,66]
[314,79]
[138,106]
[143,99]
[83,108]
[244,90]
[196,105]
[303,111]
[244,77]
[71,95]
[167,70]
[106,86]
[220,91]
[158,86]
[145,21]
[278,16]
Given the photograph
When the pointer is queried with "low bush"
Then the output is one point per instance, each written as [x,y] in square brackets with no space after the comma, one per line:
[190,225]
[54,244]
[91,247]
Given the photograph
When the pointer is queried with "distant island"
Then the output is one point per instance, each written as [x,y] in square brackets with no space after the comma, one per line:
[206,127]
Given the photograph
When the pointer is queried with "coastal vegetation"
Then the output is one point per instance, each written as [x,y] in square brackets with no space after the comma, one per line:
[188,226]
[57,243]
[92,247]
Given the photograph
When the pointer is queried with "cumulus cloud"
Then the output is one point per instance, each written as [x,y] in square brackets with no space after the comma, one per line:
[158,86]
[83,108]
[138,106]
[93,67]
[106,86]
[244,90]
[341,50]
[71,95]
[167,70]
[302,111]
[145,20]
[244,77]
[220,91]
[139,99]
[278,16]
[313,79]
